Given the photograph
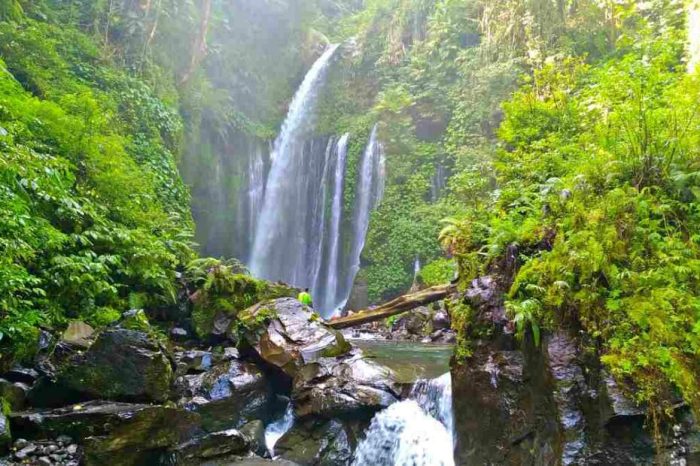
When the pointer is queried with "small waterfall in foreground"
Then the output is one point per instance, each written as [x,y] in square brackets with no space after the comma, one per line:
[370,190]
[413,432]
[283,246]
[330,288]
[276,430]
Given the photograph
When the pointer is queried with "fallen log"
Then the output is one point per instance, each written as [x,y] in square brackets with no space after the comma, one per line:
[396,306]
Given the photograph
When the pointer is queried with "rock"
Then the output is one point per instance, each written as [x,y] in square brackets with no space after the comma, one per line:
[214,445]
[15,394]
[138,437]
[25,452]
[291,337]
[135,319]
[319,442]
[347,384]
[179,334]
[441,320]
[255,431]
[23,375]
[123,365]
[251,461]
[45,460]
[20,443]
[79,334]
[44,342]
[193,361]
[230,394]
[101,419]
[5,434]
[72,449]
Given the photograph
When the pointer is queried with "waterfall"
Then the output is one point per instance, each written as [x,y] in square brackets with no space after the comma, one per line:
[283,246]
[418,431]
[438,182]
[370,189]
[319,216]
[255,189]
[330,301]
[276,429]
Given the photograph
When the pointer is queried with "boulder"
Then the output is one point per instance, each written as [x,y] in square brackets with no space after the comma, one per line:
[441,320]
[79,334]
[25,375]
[349,384]
[231,393]
[255,431]
[290,335]
[179,334]
[319,442]
[214,445]
[124,365]
[193,361]
[102,418]
[15,394]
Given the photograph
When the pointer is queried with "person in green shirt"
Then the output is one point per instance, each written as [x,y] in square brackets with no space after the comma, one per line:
[305,298]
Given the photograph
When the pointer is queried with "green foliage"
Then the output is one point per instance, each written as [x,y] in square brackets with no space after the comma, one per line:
[223,290]
[438,272]
[94,207]
[598,191]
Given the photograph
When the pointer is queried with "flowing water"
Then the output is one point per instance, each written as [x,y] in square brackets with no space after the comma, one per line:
[370,189]
[298,209]
[284,245]
[276,429]
[413,432]
[331,297]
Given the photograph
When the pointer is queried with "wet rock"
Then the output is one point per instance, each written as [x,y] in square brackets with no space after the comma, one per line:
[214,445]
[100,419]
[5,435]
[347,384]
[79,334]
[230,394]
[319,442]
[569,390]
[179,334]
[441,320]
[415,322]
[251,461]
[255,431]
[123,365]
[15,394]
[25,375]
[292,336]
[140,437]
[193,361]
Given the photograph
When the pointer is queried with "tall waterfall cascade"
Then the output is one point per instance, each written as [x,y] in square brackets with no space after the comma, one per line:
[293,206]
[416,432]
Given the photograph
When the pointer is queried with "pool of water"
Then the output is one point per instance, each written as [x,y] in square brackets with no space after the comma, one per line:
[410,361]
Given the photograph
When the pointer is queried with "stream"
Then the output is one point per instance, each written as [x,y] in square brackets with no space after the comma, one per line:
[418,430]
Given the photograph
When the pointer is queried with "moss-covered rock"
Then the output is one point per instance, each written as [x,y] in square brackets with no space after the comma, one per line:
[224,293]
[5,434]
[135,319]
[122,364]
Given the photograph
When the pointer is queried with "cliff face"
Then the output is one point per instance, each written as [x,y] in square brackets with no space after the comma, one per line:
[521,404]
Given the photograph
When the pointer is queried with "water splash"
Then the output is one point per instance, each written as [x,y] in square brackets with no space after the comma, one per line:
[435,397]
[276,429]
[282,240]
[404,435]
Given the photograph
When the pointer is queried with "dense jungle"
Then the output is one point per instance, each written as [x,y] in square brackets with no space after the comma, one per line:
[350,232]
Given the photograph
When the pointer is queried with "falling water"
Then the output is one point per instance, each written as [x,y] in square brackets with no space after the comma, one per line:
[693,35]
[331,301]
[416,432]
[370,190]
[283,246]
[438,182]
[256,188]
[275,430]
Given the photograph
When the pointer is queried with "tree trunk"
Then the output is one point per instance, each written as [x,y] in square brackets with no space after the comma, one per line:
[199,49]
[397,306]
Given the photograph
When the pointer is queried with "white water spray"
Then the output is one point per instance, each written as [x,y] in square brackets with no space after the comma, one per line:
[282,241]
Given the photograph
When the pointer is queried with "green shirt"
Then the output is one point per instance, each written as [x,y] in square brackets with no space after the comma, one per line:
[305,298]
